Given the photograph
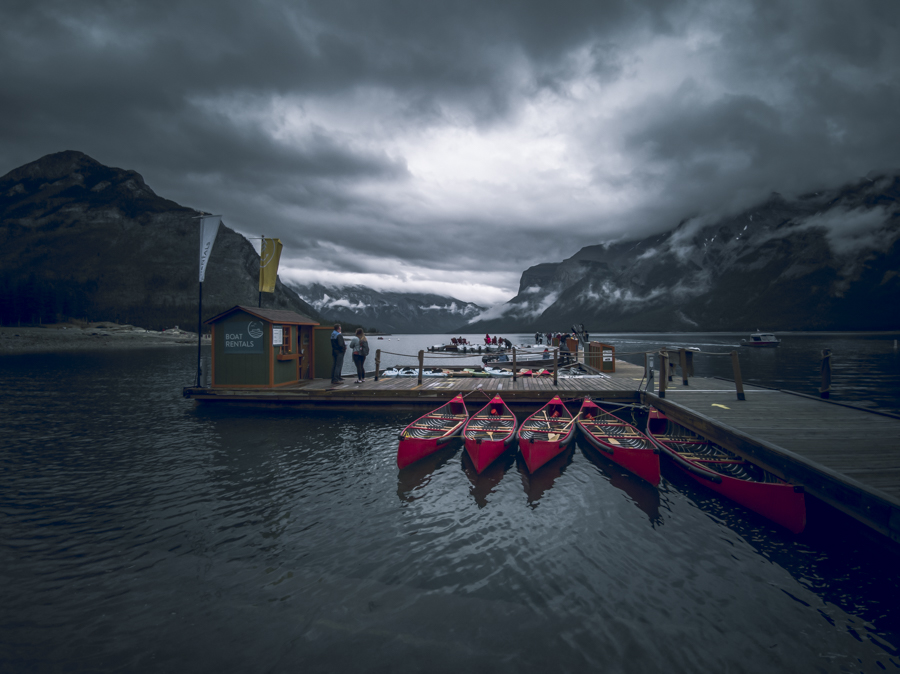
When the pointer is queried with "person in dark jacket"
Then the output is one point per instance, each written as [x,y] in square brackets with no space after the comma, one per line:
[337,353]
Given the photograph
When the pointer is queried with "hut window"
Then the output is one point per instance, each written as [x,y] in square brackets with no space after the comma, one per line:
[287,343]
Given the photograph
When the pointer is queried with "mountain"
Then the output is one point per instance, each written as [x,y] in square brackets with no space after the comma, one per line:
[828,260]
[82,240]
[388,311]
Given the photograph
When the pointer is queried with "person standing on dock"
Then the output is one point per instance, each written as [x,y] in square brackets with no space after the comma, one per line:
[359,349]
[337,353]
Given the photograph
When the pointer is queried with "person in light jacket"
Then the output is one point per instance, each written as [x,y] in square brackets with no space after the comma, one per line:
[359,348]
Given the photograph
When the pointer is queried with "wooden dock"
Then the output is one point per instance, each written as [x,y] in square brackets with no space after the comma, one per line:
[847,457]
[407,392]
[843,455]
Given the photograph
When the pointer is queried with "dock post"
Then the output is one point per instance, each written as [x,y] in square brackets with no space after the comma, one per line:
[377,362]
[514,363]
[663,370]
[738,382]
[421,364]
[555,365]
[682,357]
[825,388]
[648,370]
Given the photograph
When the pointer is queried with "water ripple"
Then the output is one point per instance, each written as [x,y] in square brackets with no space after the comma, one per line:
[142,532]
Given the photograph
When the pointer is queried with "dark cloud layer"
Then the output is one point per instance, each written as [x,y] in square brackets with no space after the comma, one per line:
[356,131]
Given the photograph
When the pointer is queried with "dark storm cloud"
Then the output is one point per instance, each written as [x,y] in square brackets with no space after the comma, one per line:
[288,116]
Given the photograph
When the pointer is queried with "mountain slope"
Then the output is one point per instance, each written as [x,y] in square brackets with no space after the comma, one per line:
[388,311]
[84,240]
[827,260]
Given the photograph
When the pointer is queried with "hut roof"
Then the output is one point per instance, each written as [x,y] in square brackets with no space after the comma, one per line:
[271,315]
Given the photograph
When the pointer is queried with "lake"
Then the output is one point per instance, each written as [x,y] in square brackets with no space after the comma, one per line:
[142,532]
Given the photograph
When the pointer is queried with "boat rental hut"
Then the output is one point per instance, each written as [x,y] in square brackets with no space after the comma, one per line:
[260,348]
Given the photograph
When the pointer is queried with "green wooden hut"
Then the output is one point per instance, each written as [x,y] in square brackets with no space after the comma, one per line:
[261,348]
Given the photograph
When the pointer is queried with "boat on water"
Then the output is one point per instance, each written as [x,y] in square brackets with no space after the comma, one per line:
[619,441]
[729,474]
[764,339]
[430,432]
[527,360]
[498,372]
[412,372]
[489,432]
[546,433]
[469,372]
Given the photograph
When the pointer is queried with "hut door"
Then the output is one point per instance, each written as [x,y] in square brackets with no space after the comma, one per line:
[304,351]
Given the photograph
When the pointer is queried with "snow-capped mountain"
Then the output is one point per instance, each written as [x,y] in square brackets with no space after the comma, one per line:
[388,311]
[826,260]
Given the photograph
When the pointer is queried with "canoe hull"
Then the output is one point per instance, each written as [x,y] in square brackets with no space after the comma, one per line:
[431,432]
[539,439]
[414,449]
[778,501]
[537,453]
[784,504]
[485,450]
[642,462]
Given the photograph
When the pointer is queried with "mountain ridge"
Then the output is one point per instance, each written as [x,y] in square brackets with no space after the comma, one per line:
[388,311]
[824,260]
[80,239]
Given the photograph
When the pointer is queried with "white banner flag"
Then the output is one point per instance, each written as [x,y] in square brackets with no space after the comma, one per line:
[209,227]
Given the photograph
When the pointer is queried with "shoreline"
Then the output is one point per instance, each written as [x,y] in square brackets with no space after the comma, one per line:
[67,338]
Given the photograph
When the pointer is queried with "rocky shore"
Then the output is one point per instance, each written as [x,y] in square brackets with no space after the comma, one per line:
[94,336]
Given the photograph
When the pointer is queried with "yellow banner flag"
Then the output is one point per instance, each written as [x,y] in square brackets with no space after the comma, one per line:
[270,255]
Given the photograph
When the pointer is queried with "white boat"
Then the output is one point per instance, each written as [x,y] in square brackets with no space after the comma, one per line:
[498,372]
[761,339]
[411,372]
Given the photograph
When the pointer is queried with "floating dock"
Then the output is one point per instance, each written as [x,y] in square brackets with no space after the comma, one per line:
[846,456]
[407,391]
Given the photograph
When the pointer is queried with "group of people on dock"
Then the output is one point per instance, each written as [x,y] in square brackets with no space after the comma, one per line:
[555,337]
[359,348]
[497,341]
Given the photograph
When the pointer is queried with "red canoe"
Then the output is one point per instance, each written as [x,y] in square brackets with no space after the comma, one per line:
[619,441]
[729,474]
[546,433]
[429,433]
[489,432]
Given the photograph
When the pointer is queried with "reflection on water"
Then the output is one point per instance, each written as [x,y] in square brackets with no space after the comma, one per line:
[484,483]
[542,480]
[412,479]
[644,495]
[141,532]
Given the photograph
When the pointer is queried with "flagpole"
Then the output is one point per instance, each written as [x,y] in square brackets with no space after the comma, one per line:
[199,335]
[200,299]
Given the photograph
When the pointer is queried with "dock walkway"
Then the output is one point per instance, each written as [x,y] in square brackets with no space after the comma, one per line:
[619,386]
[846,456]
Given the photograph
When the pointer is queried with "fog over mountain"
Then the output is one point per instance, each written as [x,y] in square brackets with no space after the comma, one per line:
[827,260]
[388,311]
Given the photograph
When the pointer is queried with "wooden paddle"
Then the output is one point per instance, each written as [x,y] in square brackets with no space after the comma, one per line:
[563,430]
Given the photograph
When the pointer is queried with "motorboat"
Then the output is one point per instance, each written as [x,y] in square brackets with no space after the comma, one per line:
[765,339]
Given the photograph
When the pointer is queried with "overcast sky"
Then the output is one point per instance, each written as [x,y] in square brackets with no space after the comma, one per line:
[447,146]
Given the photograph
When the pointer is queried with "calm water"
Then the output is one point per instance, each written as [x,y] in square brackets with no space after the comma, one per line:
[140,532]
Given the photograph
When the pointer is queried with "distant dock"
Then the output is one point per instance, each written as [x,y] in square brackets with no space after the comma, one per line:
[845,456]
